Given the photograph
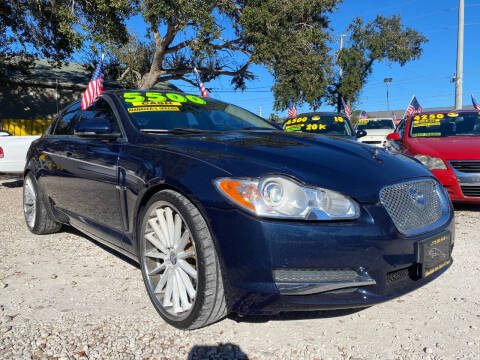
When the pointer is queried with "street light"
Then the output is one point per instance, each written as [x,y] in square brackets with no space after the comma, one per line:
[387,81]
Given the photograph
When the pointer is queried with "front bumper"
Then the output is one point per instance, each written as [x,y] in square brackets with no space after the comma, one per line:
[380,141]
[253,249]
[451,182]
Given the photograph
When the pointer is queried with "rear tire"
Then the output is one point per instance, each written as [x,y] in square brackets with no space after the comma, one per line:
[169,212]
[37,218]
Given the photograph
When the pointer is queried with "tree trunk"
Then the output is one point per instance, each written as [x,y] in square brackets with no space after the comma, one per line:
[148,80]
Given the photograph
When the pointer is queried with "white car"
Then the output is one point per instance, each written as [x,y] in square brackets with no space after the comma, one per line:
[13,151]
[377,130]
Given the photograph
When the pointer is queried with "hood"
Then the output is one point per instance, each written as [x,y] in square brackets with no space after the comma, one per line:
[346,166]
[448,148]
[379,132]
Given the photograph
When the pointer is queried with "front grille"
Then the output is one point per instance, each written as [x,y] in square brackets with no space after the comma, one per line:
[471,191]
[320,275]
[396,276]
[415,206]
[466,166]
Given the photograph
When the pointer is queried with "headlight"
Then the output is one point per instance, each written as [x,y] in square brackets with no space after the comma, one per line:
[282,197]
[432,163]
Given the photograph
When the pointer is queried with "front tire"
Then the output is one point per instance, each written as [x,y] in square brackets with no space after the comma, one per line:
[180,266]
[37,218]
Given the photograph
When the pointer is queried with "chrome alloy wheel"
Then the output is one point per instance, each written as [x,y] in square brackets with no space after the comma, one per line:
[170,260]
[29,202]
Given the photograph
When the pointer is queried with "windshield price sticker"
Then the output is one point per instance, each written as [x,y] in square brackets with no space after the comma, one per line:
[153,108]
[296,120]
[338,119]
[293,128]
[431,134]
[311,127]
[139,99]
[157,103]
[452,114]
[427,120]
[316,117]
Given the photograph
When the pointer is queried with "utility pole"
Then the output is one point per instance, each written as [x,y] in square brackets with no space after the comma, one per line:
[459,77]
[387,81]
[340,71]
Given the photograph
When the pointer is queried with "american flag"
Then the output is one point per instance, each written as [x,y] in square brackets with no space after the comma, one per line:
[200,84]
[95,87]
[414,107]
[474,103]
[292,111]
[395,119]
[363,115]
[346,109]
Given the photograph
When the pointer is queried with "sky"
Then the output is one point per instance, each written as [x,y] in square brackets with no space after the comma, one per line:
[429,78]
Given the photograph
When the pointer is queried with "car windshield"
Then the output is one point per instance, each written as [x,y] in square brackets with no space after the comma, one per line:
[446,124]
[159,111]
[335,125]
[371,124]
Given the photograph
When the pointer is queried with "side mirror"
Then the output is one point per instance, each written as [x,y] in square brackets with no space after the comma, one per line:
[393,136]
[360,133]
[4,133]
[96,128]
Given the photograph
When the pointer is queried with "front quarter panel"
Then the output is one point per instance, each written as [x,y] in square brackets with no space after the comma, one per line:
[144,170]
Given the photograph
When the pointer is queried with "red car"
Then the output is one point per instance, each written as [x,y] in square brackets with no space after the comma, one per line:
[448,143]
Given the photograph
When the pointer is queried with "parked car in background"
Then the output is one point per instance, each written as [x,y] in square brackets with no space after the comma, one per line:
[324,123]
[13,151]
[377,130]
[448,143]
[227,213]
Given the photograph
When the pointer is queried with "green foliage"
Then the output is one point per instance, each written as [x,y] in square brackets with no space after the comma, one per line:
[291,38]
[382,39]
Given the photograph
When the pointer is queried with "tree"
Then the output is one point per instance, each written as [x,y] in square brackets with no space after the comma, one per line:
[383,38]
[224,38]
[55,29]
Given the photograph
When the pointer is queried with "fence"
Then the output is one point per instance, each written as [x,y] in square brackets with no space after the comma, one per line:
[24,127]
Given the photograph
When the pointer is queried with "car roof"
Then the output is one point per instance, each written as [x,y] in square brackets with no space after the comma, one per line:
[324,113]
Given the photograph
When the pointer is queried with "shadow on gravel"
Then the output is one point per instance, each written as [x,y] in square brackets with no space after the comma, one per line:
[11,182]
[72,230]
[223,351]
[467,207]
[295,315]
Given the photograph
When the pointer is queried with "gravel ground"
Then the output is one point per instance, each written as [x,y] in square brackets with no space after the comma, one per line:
[64,296]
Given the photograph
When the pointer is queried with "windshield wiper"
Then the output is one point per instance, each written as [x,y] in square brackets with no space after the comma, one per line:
[175,131]
[258,128]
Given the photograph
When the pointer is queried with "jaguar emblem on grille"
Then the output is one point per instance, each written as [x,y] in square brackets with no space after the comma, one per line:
[417,196]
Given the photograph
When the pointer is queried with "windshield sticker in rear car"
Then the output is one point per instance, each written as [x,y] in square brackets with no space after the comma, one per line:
[153,108]
[363,121]
[294,128]
[431,134]
[311,127]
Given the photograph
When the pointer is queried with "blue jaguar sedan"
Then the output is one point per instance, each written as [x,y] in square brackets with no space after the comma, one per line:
[224,212]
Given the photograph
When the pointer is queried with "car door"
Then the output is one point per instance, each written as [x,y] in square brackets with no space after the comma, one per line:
[94,196]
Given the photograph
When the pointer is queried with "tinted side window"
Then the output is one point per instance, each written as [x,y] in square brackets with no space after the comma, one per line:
[66,123]
[101,109]
[401,128]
